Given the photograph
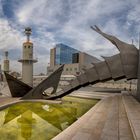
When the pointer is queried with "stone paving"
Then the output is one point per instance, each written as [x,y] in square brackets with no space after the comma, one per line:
[7,100]
[92,94]
[113,118]
[133,114]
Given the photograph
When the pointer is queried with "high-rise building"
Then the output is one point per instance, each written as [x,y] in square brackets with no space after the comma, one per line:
[74,60]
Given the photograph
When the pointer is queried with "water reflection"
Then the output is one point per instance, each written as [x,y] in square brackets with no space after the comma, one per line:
[26,122]
[55,116]
[40,120]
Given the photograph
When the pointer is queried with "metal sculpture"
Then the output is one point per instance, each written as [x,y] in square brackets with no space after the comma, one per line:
[17,87]
[116,69]
[51,81]
[20,89]
[122,65]
[130,66]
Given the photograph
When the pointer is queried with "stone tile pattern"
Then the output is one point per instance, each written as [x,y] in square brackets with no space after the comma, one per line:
[113,118]
[133,112]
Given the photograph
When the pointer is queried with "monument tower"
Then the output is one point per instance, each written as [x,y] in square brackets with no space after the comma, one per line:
[6,62]
[27,59]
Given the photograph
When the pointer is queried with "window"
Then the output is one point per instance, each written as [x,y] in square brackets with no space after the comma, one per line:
[75,58]
[64,54]
[57,56]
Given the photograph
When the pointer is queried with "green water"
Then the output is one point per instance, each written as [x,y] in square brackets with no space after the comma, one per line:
[39,120]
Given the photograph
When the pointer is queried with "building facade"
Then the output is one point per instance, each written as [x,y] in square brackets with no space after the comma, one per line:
[74,60]
[64,54]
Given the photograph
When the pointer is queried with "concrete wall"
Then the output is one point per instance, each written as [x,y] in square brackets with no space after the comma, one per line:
[27,51]
[6,65]
[69,69]
[27,72]
[85,61]
[52,57]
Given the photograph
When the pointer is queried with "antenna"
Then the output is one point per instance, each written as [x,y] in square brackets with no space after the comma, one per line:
[6,55]
[28,32]
[132,41]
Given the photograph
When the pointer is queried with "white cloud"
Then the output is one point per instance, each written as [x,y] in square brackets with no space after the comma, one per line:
[9,37]
[69,21]
[133,14]
[42,12]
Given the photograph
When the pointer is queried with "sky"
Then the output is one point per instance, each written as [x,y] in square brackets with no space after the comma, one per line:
[67,22]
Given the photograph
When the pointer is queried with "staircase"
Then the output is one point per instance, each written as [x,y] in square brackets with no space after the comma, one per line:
[113,118]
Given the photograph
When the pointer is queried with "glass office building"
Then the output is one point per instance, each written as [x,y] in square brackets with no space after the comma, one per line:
[64,54]
[75,61]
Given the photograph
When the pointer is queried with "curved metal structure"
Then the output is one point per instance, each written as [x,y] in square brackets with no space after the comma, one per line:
[115,66]
[122,65]
[17,88]
[51,81]
[130,65]
[20,89]
[103,71]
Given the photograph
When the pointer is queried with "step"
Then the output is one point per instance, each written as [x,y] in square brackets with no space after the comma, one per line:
[125,132]
[89,125]
[111,128]
[132,107]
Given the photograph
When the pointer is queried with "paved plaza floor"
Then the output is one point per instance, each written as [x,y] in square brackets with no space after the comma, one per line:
[115,117]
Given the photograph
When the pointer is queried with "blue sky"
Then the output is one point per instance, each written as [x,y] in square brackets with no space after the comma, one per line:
[68,22]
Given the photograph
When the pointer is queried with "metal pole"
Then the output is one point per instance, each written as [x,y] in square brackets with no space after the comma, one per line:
[138,76]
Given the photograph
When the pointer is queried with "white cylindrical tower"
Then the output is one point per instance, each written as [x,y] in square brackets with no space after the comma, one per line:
[27,59]
[6,62]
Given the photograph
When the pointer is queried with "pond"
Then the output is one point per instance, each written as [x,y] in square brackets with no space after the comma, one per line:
[41,120]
